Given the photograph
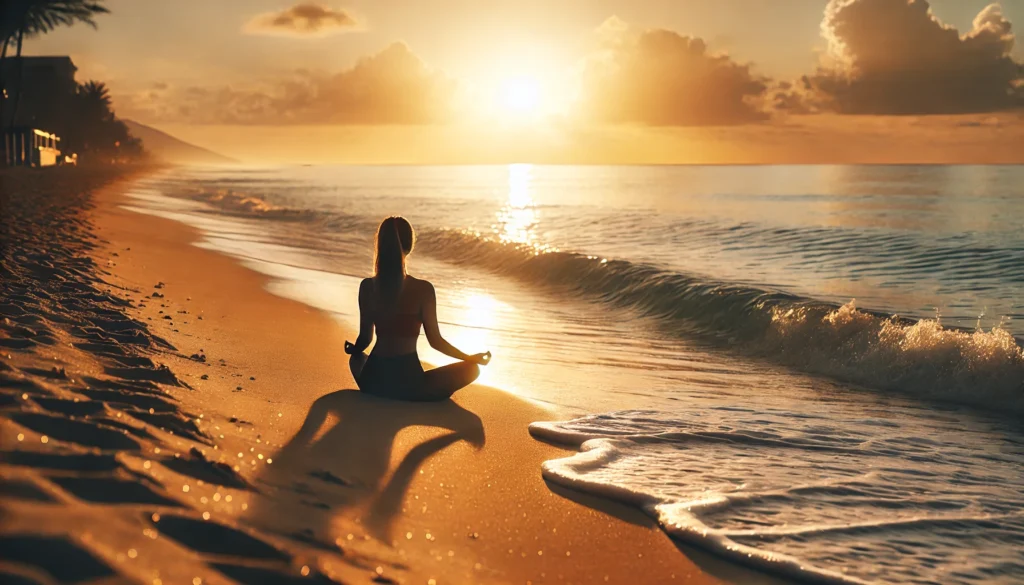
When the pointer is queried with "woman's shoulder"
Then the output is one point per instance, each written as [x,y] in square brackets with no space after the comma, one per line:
[420,284]
[366,285]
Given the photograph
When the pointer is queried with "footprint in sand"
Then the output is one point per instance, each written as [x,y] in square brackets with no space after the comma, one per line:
[105,490]
[24,489]
[76,564]
[197,466]
[85,433]
[209,537]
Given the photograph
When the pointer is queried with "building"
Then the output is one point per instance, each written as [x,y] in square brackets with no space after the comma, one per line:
[36,101]
[29,147]
[46,86]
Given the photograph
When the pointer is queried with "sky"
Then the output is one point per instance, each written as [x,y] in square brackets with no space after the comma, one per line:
[573,81]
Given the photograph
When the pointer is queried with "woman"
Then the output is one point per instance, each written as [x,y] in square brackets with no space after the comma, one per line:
[396,304]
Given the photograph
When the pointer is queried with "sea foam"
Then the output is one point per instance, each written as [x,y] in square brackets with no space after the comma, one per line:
[823,498]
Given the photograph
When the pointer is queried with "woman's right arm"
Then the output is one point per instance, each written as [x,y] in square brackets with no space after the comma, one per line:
[433,331]
[365,318]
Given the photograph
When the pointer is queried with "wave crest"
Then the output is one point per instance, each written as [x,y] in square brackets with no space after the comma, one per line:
[982,368]
[869,348]
[243,204]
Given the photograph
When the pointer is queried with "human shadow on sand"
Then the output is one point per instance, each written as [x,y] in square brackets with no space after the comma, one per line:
[341,456]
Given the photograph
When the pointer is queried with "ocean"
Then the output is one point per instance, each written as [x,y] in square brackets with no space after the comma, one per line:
[813,370]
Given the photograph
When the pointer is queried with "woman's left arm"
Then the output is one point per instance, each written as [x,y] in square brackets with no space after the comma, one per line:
[365,319]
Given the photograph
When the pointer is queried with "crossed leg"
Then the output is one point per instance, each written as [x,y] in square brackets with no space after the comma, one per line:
[438,384]
[356,363]
[441,383]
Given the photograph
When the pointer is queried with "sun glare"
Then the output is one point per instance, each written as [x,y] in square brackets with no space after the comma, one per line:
[521,95]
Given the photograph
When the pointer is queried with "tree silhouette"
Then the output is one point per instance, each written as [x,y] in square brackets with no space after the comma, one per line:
[32,17]
[25,18]
[93,98]
[92,129]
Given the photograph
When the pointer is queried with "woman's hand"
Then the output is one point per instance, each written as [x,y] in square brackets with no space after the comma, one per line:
[480,359]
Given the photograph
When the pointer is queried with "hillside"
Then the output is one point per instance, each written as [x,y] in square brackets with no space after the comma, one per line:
[170,149]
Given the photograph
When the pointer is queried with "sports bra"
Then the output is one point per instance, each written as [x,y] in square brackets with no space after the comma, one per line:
[400,325]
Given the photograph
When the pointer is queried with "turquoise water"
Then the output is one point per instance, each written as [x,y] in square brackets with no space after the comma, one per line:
[811,369]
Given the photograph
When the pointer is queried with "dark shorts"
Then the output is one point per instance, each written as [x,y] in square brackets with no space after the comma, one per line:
[400,377]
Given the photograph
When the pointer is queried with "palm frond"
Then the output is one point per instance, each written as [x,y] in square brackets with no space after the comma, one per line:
[42,16]
[96,91]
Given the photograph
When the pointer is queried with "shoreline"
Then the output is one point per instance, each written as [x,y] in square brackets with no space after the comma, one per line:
[449,492]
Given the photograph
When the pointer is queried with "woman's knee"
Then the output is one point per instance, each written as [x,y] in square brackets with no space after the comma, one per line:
[355,364]
[472,371]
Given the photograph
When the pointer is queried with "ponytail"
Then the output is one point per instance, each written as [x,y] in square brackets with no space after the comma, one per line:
[395,240]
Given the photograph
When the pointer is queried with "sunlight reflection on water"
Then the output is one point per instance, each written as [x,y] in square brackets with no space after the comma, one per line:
[471,323]
[518,218]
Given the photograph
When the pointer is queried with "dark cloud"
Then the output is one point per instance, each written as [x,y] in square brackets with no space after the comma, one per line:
[306,18]
[660,78]
[897,57]
[785,97]
[391,87]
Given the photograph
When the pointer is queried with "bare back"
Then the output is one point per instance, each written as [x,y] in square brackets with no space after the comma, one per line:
[396,323]
[393,369]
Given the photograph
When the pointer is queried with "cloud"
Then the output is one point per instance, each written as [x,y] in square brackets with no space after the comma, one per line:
[785,97]
[393,86]
[897,57]
[658,77]
[303,19]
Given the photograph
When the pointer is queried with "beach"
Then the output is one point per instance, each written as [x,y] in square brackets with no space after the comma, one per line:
[744,288]
[165,419]
[678,393]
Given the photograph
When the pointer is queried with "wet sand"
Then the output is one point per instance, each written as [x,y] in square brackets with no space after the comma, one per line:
[164,419]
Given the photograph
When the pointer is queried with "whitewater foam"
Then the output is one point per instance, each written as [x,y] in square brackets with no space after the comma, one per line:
[808,496]
[982,368]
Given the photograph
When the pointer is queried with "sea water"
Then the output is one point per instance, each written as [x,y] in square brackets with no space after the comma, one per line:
[815,370]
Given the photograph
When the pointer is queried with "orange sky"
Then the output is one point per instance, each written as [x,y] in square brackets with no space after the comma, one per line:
[584,81]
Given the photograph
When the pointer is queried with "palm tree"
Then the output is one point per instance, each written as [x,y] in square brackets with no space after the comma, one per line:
[21,18]
[94,98]
[91,118]
[93,131]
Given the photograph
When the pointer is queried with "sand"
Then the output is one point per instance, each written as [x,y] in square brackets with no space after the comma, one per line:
[164,419]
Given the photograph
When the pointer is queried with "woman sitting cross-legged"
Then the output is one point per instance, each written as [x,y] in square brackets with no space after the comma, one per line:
[395,305]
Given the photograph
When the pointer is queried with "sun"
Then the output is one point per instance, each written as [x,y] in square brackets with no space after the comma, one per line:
[520,95]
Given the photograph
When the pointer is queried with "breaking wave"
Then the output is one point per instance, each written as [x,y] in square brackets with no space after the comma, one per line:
[918,357]
[242,204]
